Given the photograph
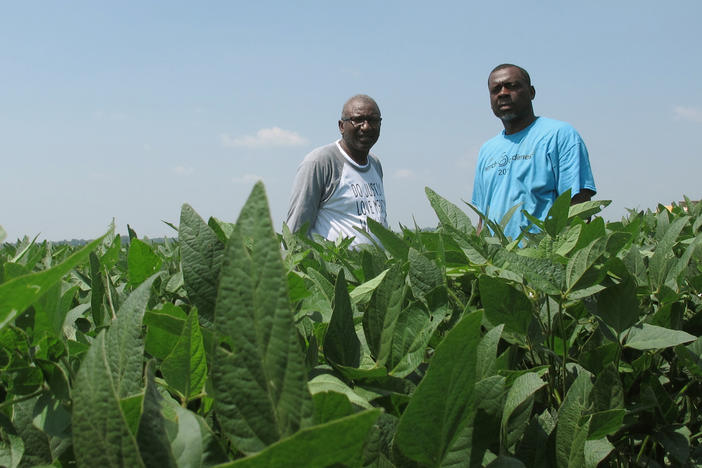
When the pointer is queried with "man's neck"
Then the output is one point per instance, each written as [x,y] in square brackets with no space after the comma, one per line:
[517,125]
[359,158]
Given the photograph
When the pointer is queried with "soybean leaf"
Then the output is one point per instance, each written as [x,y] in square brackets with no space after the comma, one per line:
[380,318]
[328,383]
[596,451]
[571,431]
[259,377]
[424,275]
[506,305]
[100,433]
[586,209]
[582,260]
[412,332]
[19,293]
[444,397]
[646,336]
[393,243]
[664,257]
[557,216]
[329,406]
[193,443]
[336,443]
[164,326]
[97,291]
[185,368]
[124,344]
[448,213]
[152,437]
[36,443]
[487,352]
[201,258]
[517,409]
[618,305]
[341,345]
[142,262]
[363,292]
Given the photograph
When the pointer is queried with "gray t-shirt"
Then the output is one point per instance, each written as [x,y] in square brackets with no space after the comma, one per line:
[336,195]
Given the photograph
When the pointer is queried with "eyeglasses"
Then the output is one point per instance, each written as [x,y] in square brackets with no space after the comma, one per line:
[373,122]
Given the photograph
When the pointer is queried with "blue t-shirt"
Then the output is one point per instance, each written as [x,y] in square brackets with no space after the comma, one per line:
[531,167]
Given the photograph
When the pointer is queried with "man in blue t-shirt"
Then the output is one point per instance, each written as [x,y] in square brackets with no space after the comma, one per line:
[532,161]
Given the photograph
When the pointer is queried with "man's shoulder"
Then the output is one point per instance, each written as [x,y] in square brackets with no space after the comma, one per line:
[322,154]
[546,124]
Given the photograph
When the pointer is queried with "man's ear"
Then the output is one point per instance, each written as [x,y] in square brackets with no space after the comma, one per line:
[533,92]
[341,126]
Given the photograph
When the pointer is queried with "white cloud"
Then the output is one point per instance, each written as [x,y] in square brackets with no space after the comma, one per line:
[247,179]
[264,138]
[692,114]
[403,174]
[182,170]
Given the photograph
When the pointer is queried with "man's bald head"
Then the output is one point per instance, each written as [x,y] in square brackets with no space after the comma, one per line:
[349,104]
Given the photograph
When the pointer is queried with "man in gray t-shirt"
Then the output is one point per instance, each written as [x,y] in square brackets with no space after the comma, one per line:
[339,186]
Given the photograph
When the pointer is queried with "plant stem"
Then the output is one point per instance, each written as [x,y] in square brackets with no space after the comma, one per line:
[643,445]
[21,399]
[109,294]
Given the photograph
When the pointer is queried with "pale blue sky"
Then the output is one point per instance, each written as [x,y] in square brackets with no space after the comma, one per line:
[127,110]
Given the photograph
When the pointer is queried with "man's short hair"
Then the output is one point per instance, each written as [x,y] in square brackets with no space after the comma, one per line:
[525,74]
[362,97]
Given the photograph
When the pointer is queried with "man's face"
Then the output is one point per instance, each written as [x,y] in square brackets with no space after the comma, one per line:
[360,138]
[510,94]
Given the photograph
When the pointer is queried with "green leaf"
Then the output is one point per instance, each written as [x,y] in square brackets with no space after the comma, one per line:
[647,336]
[663,258]
[571,431]
[185,368]
[329,406]
[36,443]
[336,443]
[97,291]
[411,334]
[152,438]
[506,305]
[142,262]
[541,273]
[341,345]
[19,293]
[164,326]
[50,310]
[557,217]
[201,258]
[448,213]
[380,318]
[328,383]
[586,209]
[582,260]
[517,409]
[124,343]
[618,305]
[424,275]
[444,397]
[100,433]
[605,423]
[193,443]
[363,292]
[487,352]
[260,384]
[393,243]
[596,451]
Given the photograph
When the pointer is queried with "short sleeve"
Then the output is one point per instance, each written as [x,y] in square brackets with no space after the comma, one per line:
[574,170]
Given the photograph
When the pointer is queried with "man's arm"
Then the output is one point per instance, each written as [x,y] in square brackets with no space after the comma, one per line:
[582,196]
[305,196]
